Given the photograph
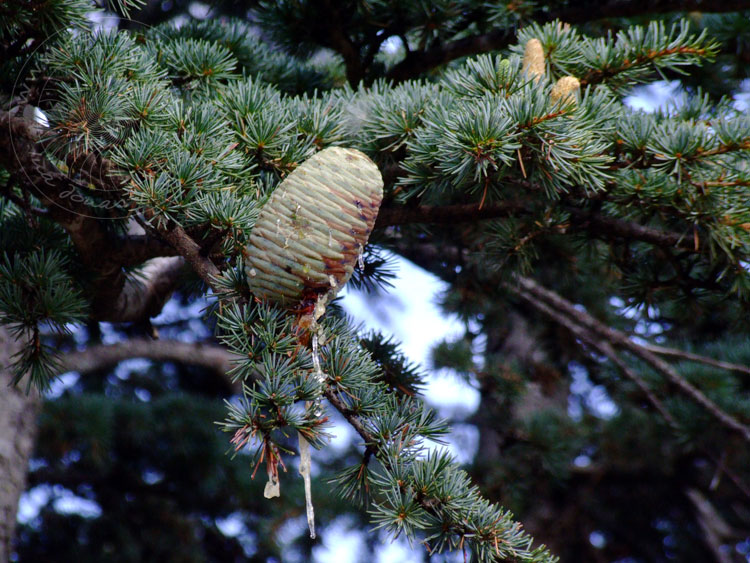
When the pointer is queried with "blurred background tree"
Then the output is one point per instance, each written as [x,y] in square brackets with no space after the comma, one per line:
[597,256]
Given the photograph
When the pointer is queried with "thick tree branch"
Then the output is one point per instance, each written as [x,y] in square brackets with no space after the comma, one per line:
[18,412]
[137,249]
[593,222]
[446,213]
[612,227]
[210,356]
[186,247]
[417,63]
[143,294]
[35,174]
[96,245]
[335,36]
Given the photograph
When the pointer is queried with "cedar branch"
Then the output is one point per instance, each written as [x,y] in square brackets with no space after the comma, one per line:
[389,216]
[186,247]
[419,62]
[621,340]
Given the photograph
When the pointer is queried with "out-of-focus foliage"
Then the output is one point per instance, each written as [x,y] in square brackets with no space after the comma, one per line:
[640,219]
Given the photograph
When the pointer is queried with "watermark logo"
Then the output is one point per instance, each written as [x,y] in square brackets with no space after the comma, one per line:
[68,123]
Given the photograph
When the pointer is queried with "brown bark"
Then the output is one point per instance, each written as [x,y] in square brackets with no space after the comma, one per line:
[596,224]
[447,214]
[419,62]
[18,413]
[186,247]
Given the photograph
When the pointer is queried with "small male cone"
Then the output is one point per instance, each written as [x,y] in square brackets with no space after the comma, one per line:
[565,90]
[314,226]
[534,67]
[533,60]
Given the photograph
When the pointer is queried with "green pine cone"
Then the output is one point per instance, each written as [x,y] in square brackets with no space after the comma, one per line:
[314,226]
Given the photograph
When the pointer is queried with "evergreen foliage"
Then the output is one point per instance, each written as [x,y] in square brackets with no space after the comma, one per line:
[621,236]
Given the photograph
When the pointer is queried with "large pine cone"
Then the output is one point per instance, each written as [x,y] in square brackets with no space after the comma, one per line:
[314,226]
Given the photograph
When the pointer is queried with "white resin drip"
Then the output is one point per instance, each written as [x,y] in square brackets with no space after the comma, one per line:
[304,471]
[304,446]
[319,375]
[320,306]
[361,259]
[316,359]
[318,337]
[273,487]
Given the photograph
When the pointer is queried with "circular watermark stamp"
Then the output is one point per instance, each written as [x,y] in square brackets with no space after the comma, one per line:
[68,122]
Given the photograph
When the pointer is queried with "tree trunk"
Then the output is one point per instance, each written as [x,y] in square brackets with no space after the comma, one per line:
[18,413]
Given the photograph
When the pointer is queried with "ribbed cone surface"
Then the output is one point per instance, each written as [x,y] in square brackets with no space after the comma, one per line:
[314,226]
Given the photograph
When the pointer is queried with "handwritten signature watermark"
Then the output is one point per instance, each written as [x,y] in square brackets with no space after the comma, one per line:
[73,140]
